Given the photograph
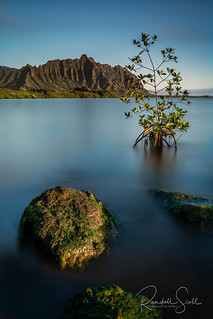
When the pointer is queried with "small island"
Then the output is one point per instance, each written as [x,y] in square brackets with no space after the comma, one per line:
[109,302]
[70,225]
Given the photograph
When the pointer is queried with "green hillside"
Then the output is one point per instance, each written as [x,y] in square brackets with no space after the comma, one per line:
[43,94]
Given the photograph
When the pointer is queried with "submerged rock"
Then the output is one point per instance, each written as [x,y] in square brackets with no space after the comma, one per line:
[109,302]
[70,224]
[195,210]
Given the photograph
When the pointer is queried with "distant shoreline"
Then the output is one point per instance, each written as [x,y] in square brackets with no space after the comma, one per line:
[66,94]
[199,96]
[55,94]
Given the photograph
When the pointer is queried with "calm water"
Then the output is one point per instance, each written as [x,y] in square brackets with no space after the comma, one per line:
[87,144]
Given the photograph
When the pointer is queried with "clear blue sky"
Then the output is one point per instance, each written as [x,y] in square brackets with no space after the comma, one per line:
[40,30]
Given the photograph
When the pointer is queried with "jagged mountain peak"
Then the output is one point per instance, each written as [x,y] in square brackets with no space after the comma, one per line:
[66,74]
[84,57]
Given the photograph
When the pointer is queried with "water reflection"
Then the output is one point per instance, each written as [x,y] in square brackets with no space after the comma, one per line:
[158,160]
[87,144]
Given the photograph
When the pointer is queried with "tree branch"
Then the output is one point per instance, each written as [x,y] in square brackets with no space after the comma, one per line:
[163,79]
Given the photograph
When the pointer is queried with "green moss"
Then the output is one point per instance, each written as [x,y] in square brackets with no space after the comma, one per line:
[160,193]
[208,207]
[108,302]
[195,210]
[71,224]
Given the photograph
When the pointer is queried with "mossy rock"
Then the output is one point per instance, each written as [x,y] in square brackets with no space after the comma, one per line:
[109,302]
[70,224]
[195,210]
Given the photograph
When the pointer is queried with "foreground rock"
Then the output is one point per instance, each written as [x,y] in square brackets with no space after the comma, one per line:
[70,224]
[109,302]
[197,211]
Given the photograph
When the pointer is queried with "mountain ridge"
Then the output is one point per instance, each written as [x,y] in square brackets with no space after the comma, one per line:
[66,74]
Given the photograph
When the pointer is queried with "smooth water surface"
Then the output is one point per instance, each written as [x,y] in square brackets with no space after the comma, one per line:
[87,144]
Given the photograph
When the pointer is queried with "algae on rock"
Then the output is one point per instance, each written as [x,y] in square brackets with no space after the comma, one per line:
[109,302]
[70,224]
[195,210]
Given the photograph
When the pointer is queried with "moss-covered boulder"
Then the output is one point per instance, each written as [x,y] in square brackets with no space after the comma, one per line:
[195,210]
[109,302]
[70,224]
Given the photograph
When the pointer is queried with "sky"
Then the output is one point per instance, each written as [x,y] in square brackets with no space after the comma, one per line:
[33,32]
